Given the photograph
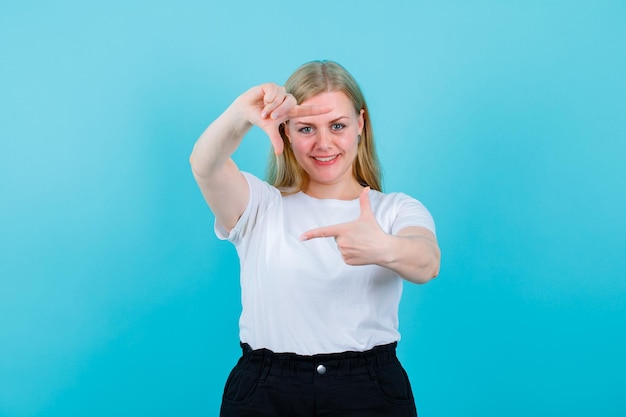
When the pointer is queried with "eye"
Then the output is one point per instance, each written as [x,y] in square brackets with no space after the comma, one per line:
[337,126]
[306,129]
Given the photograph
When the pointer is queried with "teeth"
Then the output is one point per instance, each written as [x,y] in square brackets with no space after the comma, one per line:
[325,159]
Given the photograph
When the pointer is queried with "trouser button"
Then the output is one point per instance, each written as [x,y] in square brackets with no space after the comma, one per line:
[321,369]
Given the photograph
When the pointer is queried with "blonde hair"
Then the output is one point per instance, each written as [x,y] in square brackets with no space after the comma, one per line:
[309,80]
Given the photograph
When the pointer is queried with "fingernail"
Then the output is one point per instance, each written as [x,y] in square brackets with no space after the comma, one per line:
[274,116]
[263,115]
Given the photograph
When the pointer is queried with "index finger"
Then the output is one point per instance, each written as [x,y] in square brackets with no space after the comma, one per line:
[303,111]
[328,231]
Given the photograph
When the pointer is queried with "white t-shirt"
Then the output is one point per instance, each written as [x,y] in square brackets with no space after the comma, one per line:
[301,297]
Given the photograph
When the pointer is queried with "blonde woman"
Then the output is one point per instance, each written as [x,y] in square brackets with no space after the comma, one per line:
[323,251]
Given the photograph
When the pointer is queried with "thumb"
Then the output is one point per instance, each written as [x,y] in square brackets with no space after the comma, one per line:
[276,140]
[364,201]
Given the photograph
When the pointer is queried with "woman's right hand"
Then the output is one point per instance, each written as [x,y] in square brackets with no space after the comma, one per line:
[222,184]
[269,105]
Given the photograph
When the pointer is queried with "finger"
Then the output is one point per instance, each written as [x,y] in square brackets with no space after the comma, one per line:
[272,131]
[273,96]
[270,92]
[270,109]
[277,142]
[364,201]
[329,231]
[303,111]
[280,111]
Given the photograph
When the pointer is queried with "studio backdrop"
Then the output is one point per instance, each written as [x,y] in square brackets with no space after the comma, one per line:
[506,119]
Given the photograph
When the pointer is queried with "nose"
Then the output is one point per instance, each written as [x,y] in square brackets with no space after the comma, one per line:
[324,140]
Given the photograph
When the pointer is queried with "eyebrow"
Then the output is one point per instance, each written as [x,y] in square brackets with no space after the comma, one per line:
[331,122]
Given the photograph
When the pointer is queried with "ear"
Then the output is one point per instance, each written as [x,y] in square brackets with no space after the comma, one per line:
[361,121]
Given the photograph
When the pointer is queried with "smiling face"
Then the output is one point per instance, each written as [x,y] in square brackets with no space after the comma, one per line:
[326,146]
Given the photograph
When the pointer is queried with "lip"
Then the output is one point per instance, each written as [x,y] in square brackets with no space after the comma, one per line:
[326,159]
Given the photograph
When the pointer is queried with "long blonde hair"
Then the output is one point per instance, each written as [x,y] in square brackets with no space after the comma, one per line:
[309,80]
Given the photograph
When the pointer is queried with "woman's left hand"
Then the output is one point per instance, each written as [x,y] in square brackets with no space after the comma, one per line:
[362,241]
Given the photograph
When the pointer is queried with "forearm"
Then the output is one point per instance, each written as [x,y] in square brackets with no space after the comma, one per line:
[414,257]
[217,143]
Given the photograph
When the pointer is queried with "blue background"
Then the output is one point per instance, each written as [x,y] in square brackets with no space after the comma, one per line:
[507,119]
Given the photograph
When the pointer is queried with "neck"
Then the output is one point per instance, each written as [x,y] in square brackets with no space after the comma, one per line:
[340,191]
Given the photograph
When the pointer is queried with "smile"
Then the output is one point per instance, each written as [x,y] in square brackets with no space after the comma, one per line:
[325,158]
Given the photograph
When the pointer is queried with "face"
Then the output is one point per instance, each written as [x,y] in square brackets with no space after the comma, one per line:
[325,145]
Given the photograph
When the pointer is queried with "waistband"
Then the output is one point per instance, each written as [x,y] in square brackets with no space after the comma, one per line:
[325,364]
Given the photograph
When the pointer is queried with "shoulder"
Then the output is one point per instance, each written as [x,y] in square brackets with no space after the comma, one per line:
[400,210]
[262,195]
[259,186]
[396,200]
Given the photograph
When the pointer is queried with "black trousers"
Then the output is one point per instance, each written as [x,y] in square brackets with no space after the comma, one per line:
[348,384]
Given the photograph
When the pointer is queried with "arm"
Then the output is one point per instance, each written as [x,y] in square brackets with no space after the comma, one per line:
[222,184]
[412,253]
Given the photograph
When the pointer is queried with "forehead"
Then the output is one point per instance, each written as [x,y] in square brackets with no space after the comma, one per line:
[341,106]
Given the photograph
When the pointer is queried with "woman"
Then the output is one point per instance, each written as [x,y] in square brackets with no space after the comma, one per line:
[323,251]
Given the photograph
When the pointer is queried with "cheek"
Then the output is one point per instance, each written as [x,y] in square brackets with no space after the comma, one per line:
[298,145]
[348,141]
[300,149]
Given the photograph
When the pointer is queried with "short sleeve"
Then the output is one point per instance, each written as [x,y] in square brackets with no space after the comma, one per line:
[261,194]
[410,212]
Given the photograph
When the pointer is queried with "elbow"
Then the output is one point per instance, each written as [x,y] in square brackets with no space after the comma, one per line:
[192,162]
[435,262]
[425,276]
[434,273]
[435,265]
[428,271]
[198,170]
